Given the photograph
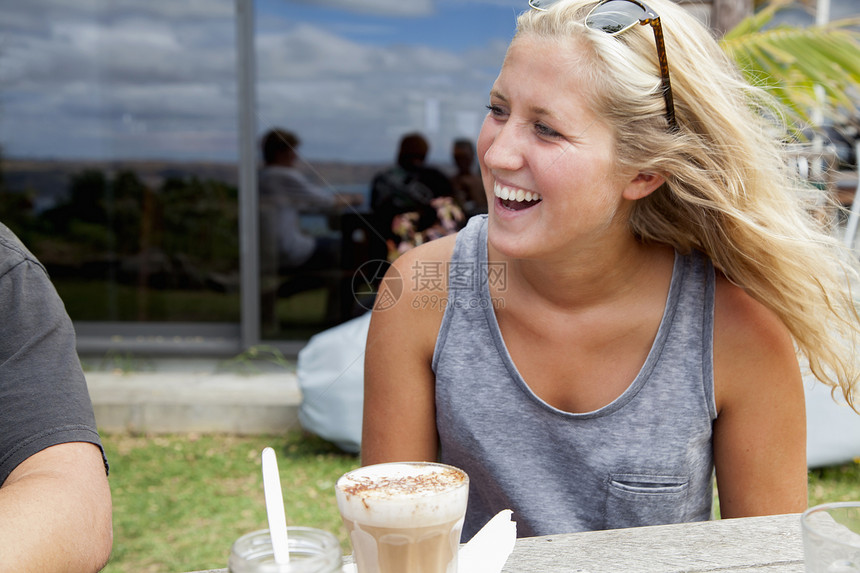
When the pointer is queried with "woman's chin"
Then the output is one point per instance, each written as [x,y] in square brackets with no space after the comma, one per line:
[511,245]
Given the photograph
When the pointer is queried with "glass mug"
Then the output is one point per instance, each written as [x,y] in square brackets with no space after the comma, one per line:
[831,537]
[311,551]
[404,517]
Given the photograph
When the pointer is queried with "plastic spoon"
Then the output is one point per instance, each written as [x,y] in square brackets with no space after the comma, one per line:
[275,507]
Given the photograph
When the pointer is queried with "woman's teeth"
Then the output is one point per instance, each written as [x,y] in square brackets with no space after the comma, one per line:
[518,195]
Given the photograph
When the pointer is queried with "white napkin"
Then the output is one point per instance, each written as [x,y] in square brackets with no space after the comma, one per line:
[487,551]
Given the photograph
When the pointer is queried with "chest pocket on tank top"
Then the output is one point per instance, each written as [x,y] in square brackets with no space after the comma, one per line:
[635,500]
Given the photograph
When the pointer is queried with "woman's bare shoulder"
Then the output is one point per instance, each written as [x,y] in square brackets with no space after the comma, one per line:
[425,267]
[753,348]
[742,320]
[413,293]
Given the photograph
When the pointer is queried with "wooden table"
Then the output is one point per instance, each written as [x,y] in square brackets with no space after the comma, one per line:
[765,544]
[771,544]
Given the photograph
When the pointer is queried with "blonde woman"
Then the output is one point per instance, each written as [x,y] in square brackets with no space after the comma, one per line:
[625,320]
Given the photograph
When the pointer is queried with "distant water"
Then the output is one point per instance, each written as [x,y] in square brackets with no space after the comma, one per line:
[363,188]
[318,224]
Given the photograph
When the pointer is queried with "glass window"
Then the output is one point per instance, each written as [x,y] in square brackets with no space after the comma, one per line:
[346,80]
[118,133]
[119,144]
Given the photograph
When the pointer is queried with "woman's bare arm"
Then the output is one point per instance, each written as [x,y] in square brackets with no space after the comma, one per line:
[399,388]
[760,432]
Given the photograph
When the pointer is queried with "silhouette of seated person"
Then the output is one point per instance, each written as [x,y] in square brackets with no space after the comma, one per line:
[468,185]
[285,193]
[405,198]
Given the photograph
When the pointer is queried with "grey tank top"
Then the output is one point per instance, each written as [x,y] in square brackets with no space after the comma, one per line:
[644,459]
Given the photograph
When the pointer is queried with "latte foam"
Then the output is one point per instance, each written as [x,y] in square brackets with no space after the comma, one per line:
[403,494]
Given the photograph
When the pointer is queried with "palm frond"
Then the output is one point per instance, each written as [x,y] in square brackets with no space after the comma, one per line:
[790,61]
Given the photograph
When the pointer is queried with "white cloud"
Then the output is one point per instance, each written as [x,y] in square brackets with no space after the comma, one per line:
[384,7]
[187,9]
[353,101]
[137,78]
[311,52]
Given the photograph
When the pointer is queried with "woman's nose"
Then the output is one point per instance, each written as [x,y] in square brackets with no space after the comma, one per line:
[505,149]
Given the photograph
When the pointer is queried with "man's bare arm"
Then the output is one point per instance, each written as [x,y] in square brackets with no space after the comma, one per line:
[55,512]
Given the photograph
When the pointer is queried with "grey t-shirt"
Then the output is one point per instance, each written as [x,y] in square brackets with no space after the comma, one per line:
[644,459]
[43,393]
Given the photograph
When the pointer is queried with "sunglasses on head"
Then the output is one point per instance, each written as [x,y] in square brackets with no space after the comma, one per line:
[617,16]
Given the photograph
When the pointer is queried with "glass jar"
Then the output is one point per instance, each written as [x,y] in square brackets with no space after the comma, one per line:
[311,551]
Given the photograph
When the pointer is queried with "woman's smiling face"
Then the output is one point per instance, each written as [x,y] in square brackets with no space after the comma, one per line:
[547,162]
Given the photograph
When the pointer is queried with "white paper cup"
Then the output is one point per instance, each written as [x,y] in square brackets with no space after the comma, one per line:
[831,537]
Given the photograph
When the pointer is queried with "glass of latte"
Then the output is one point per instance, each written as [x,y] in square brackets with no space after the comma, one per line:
[404,517]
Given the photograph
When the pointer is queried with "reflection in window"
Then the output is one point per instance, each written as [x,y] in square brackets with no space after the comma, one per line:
[350,78]
[118,132]
[118,129]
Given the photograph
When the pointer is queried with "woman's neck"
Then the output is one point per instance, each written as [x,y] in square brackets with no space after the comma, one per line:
[589,277]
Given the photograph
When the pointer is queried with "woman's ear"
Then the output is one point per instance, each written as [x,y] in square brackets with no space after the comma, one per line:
[643,185]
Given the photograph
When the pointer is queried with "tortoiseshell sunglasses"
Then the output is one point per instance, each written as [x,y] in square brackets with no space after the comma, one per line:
[616,17]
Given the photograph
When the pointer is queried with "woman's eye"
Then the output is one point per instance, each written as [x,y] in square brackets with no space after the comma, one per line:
[546,131]
[495,110]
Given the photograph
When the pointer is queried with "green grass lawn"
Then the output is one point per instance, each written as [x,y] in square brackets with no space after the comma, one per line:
[180,501]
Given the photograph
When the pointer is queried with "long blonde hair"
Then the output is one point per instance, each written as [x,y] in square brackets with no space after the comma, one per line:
[729,190]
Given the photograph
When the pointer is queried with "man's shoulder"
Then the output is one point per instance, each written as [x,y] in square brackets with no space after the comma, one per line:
[12,251]
[391,175]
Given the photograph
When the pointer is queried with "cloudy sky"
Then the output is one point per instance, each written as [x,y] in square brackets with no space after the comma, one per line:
[156,79]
